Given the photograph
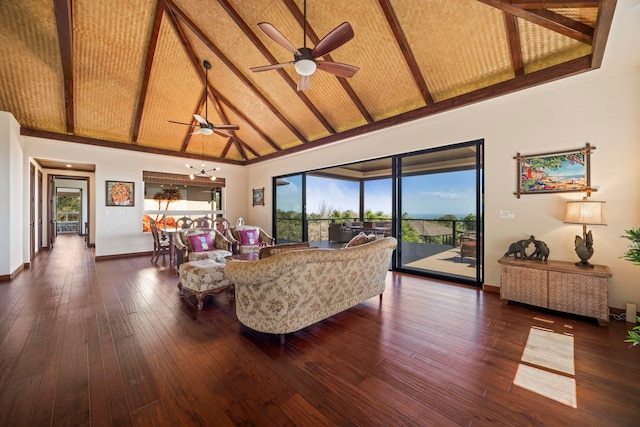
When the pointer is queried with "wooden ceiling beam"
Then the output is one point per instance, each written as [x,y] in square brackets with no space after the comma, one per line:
[151,51]
[64,25]
[601,34]
[515,49]
[583,32]
[234,139]
[299,16]
[525,81]
[36,133]
[235,16]
[403,44]
[199,107]
[194,28]
[214,93]
[554,4]
[547,19]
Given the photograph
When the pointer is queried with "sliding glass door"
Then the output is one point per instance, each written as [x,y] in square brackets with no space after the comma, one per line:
[289,224]
[440,205]
[431,201]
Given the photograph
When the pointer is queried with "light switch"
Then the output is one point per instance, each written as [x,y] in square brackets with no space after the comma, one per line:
[507,214]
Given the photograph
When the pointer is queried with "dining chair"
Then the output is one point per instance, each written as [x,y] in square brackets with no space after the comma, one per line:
[184,222]
[202,222]
[161,243]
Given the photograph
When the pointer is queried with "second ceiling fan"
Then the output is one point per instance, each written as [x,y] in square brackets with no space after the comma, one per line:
[206,127]
[306,60]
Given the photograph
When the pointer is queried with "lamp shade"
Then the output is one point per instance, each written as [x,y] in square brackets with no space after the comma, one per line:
[585,212]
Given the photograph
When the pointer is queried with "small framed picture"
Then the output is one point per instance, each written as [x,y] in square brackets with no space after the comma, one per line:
[557,172]
[258,196]
[120,193]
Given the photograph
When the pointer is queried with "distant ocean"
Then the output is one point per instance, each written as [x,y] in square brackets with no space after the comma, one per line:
[434,216]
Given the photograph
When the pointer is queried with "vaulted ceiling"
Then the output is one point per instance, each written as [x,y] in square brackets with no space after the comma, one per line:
[113,73]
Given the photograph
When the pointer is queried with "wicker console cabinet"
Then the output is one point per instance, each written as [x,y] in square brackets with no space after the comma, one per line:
[557,285]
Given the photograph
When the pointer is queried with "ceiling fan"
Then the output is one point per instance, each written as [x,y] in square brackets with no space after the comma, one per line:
[306,60]
[206,127]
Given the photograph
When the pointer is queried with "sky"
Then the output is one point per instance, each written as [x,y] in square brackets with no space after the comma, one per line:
[436,194]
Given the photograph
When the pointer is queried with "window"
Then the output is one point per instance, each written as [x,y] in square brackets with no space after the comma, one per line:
[169,197]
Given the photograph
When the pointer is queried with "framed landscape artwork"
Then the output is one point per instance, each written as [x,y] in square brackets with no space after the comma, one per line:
[120,193]
[258,196]
[557,172]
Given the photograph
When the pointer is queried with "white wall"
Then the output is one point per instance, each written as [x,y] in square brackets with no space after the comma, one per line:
[12,187]
[118,230]
[601,107]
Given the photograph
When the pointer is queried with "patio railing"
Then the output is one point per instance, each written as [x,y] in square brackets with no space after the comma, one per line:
[434,231]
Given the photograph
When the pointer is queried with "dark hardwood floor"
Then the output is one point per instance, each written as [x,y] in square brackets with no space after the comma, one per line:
[111,343]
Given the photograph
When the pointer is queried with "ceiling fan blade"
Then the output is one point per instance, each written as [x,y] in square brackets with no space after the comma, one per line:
[336,38]
[228,127]
[337,68]
[270,67]
[201,119]
[304,82]
[275,35]
[180,123]
[222,133]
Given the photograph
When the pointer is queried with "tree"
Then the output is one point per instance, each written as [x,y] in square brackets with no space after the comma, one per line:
[167,195]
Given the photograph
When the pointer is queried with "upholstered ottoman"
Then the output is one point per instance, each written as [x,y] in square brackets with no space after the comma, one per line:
[203,277]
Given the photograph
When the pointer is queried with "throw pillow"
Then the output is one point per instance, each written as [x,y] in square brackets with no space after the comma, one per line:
[249,237]
[357,240]
[200,242]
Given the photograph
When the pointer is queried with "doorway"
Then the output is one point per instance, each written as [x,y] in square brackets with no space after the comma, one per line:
[68,206]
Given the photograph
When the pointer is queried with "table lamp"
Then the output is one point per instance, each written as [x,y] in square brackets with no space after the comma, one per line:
[585,212]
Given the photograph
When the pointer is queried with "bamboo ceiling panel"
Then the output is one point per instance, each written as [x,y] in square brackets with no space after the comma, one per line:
[543,48]
[110,40]
[274,89]
[384,83]
[455,56]
[126,83]
[174,92]
[270,84]
[30,72]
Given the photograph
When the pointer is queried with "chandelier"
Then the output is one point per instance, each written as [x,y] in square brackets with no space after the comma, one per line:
[202,171]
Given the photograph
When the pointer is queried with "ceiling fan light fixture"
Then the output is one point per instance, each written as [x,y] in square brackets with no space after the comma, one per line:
[206,131]
[305,67]
[192,177]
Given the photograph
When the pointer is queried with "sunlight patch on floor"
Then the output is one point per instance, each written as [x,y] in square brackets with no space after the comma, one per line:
[554,386]
[547,351]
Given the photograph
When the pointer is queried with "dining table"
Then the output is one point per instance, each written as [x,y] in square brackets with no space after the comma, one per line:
[170,232]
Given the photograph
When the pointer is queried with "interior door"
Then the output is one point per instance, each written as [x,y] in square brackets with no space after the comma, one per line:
[32,211]
[41,243]
[51,195]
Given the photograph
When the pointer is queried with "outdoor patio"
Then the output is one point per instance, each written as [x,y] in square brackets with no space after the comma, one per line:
[427,256]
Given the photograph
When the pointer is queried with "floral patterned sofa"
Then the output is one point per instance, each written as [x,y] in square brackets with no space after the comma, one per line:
[290,291]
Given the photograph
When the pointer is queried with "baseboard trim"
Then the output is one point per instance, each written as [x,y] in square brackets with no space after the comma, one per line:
[8,277]
[118,256]
[490,288]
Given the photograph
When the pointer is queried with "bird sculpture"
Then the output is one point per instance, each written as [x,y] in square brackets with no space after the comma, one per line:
[584,250]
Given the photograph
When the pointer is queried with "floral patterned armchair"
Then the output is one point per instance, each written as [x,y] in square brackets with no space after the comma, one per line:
[249,238]
[201,243]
